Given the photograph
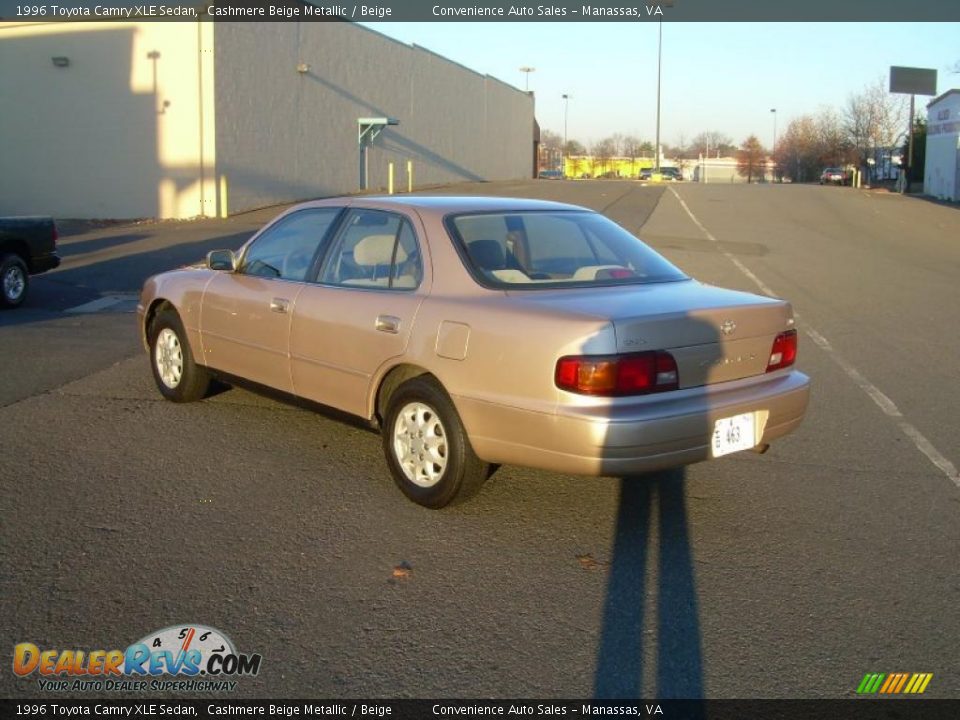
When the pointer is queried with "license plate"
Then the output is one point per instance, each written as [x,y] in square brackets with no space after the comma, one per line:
[733,434]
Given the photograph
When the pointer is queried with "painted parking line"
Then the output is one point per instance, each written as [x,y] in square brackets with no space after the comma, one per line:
[881,399]
[116,303]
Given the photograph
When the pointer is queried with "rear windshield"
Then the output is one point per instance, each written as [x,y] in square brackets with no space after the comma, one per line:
[533,250]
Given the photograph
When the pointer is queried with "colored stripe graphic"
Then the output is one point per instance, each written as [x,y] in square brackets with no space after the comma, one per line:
[918,683]
[870,683]
[891,683]
[894,683]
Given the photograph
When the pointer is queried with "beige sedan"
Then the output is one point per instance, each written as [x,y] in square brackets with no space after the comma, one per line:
[480,331]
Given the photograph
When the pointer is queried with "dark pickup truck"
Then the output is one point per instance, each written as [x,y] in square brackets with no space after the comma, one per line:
[28,246]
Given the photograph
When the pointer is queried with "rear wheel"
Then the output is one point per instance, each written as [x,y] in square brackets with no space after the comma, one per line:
[14,280]
[177,376]
[427,448]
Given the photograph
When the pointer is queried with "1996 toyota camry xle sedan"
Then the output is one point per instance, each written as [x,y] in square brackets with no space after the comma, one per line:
[480,331]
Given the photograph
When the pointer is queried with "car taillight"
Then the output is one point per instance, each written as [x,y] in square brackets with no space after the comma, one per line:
[616,375]
[784,351]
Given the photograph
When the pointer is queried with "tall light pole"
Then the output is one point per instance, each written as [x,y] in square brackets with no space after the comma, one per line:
[773,151]
[656,149]
[706,160]
[526,70]
[566,108]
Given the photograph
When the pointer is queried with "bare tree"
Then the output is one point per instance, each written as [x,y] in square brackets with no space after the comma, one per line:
[631,148]
[573,147]
[874,119]
[834,148]
[712,143]
[680,149]
[751,159]
[550,139]
[798,149]
[616,144]
[603,151]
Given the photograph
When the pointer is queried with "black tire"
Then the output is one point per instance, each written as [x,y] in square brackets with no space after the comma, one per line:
[14,280]
[192,381]
[453,472]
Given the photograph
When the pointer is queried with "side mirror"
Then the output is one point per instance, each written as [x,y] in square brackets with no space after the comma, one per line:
[223,260]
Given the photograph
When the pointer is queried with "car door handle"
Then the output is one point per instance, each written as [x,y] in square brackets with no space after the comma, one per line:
[279,305]
[388,324]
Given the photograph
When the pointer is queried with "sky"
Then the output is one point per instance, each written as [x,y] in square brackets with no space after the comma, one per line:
[722,77]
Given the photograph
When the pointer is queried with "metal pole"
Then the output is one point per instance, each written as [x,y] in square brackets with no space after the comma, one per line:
[706,159]
[659,60]
[773,151]
[906,182]
[363,166]
[526,70]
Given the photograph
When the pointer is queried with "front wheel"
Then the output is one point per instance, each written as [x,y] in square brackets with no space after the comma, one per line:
[427,448]
[177,376]
[14,280]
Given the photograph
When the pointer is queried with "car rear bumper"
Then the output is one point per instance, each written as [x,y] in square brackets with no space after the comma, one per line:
[42,263]
[623,438]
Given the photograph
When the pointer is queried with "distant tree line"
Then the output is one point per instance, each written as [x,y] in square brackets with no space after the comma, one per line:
[872,122]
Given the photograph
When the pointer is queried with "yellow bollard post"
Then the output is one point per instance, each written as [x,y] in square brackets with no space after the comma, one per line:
[409,175]
[223,196]
[389,178]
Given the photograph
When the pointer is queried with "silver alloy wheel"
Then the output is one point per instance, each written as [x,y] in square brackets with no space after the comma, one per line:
[168,356]
[14,282]
[420,444]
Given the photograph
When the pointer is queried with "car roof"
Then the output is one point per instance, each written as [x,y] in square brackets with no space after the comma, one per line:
[448,204]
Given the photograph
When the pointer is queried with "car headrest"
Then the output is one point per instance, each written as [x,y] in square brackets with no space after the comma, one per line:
[487,254]
[377,250]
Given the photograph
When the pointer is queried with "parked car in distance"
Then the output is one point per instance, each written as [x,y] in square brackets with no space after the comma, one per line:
[833,176]
[480,331]
[667,174]
[551,175]
[28,246]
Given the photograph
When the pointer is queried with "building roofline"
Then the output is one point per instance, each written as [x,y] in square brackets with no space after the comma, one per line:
[940,97]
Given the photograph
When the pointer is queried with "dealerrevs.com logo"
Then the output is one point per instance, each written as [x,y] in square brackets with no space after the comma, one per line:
[186,658]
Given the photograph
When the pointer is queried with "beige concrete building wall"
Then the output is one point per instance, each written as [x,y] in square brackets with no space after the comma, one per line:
[125,129]
[286,134]
[176,120]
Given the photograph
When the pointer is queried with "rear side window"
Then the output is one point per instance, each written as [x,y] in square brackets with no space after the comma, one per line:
[374,249]
[531,250]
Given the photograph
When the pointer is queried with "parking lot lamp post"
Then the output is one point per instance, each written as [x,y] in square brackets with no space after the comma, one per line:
[526,70]
[773,151]
[706,159]
[566,109]
[656,149]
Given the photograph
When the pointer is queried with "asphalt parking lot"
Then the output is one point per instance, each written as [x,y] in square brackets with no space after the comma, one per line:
[786,575]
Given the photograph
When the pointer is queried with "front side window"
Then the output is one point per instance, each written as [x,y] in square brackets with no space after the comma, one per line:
[288,249]
[374,249]
[555,248]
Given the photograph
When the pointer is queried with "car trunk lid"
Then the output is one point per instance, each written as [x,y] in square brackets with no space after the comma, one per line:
[715,335]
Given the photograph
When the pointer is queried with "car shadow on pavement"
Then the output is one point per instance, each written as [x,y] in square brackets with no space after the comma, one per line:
[651,501]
